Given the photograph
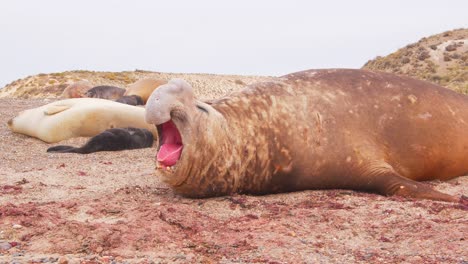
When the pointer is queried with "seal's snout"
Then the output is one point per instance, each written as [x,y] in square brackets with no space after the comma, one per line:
[158,108]
[174,95]
[10,122]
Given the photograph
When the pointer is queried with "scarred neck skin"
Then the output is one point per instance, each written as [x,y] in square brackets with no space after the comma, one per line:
[209,162]
[228,150]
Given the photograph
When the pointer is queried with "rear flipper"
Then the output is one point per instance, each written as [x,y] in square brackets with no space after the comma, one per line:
[63,149]
[391,183]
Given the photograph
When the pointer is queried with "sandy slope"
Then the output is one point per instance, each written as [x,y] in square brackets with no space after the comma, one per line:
[440,58]
[110,206]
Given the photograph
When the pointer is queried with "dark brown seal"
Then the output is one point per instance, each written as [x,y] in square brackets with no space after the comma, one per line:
[113,139]
[131,100]
[105,92]
[317,129]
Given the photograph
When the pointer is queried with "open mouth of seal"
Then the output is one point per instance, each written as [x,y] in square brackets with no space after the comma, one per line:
[170,145]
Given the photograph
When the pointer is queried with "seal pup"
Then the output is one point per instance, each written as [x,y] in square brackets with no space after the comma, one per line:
[130,100]
[316,129]
[105,92]
[76,90]
[77,117]
[113,139]
[144,87]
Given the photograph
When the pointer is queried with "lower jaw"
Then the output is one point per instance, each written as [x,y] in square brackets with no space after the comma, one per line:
[160,167]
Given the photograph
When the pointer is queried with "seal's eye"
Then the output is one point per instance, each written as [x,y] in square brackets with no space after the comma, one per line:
[201,108]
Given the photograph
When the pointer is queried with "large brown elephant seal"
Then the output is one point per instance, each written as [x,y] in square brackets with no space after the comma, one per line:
[316,129]
[144,87]
[78,117]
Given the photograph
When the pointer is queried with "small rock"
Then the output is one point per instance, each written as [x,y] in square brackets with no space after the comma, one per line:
[5,246]
[99,249]
[75,261]
[41,260]
[16,226]
[63,260]
[415,259]
[451,47]
[23,181]
[82,173]
[13,244]
[106,259]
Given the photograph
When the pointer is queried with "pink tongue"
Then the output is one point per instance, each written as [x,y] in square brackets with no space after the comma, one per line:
[169,154]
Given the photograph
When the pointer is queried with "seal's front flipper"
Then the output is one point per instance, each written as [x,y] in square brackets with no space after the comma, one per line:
[54,109]
[391,183]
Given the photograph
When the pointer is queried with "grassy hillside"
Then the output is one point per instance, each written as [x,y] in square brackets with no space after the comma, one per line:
[52,85]
[441,58]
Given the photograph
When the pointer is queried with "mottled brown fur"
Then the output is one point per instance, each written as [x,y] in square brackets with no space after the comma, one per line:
[319,129]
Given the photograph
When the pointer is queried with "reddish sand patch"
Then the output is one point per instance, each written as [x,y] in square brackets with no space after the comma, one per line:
[109,206]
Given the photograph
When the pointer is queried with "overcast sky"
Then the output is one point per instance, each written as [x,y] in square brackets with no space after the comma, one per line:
[212,36]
